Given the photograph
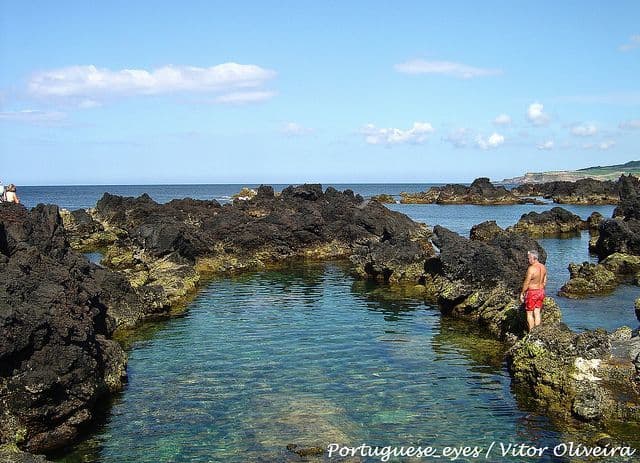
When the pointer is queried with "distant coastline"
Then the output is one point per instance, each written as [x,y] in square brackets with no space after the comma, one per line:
[595,172]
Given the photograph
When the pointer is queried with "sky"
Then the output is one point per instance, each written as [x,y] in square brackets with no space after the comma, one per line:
[144,92]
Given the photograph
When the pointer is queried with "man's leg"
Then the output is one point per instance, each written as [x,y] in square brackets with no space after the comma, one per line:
[530,319]
[537,316]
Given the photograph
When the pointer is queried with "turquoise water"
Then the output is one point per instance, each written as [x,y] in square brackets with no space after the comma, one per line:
[310,356]
[307,355]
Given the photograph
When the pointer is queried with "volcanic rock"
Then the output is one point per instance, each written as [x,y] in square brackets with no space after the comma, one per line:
[622,233]
[554,222]
[584,191]
[384,199]
[481,191]
[162,243]
[480,280]
[578,375]
[485,231]
[56,358]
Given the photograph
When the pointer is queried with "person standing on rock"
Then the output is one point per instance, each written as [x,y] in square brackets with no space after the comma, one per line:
[532,293]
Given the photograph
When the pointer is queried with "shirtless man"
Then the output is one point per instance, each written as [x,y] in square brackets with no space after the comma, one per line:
[532,293]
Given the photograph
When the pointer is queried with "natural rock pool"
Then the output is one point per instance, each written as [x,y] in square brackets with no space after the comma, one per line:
[308,355]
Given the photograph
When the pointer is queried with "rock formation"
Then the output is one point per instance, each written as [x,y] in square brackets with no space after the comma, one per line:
[584,191]
[480,280]
[57,360]
[554,222]
[485,231]
[58,311]
[594,221]
[481,192]
[622,232]
[617,244]
[245,193]
[588,279]
[170,246]
[384,198]
[591,376]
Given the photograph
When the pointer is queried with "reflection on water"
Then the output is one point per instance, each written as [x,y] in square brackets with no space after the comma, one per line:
[306,356]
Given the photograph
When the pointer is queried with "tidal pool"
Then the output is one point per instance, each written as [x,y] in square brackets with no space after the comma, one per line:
[310,356]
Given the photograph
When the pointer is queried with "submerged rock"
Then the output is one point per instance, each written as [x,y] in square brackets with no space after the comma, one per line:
[305,451]
[554,222]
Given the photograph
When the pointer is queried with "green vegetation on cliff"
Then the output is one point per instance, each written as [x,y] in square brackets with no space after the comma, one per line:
[596,172]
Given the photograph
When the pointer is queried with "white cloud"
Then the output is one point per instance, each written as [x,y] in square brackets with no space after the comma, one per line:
[630,125]
[33,116]
[464,137]
[536,114]
[494,140]
[244,97]
[634,42]
[447,68]
[502,119]
[602,146]
[459,137]
[546,145]
[389,136]
[584,130]
[91,83]
[293,129]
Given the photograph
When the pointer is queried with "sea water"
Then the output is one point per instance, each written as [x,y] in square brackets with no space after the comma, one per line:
[608,312]
[308,355]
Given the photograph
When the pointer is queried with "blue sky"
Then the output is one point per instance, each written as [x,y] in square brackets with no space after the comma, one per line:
[279,92]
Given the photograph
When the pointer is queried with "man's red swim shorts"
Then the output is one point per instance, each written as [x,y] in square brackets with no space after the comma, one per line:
[533,299]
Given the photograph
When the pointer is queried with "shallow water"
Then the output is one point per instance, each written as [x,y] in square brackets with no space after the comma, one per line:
[307,355]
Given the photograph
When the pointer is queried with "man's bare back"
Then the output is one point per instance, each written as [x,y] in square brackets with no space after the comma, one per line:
[537,276]
[532,293]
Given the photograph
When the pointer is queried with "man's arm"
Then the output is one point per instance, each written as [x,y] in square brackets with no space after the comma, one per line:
[525,284]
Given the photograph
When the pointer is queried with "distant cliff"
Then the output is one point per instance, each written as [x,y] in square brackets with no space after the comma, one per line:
[596,172]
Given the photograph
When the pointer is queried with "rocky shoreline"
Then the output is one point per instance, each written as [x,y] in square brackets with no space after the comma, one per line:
[616,242]
[480,192]
[584,191]
[59,312]
[483,192]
